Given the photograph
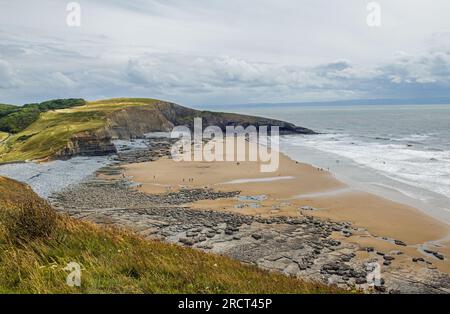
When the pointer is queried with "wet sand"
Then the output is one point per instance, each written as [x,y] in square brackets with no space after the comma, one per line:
[296,185]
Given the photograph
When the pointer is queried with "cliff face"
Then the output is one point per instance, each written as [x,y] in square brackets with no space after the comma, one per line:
[135,122]
[87,144]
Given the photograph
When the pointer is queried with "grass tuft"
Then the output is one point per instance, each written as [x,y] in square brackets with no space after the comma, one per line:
[29,220]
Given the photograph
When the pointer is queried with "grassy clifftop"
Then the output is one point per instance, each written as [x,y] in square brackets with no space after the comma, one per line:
[36,244]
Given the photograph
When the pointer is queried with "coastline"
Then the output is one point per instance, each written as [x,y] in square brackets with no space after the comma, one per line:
[264,219]
[379,222]
[361,177]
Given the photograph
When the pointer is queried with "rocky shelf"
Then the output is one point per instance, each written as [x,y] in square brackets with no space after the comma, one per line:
[302,246]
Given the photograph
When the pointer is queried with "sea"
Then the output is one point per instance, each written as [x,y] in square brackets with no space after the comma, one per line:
[401,152]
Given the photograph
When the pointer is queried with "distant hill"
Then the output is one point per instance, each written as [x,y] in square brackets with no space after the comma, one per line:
[87,128]
[362,102]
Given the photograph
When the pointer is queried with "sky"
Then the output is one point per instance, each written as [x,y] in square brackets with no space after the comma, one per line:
[215,52]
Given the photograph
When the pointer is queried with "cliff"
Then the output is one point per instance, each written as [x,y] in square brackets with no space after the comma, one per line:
[87,144]
[89,130]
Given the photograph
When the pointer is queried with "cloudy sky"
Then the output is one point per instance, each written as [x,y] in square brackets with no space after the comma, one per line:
[199,52]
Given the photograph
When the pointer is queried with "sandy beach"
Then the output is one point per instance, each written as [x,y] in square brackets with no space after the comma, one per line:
[291,190]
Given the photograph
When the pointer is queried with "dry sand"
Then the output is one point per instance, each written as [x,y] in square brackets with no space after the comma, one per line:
[296,185]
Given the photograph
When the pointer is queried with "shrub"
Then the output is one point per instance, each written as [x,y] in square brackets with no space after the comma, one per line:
[19,120]
[7,109]
[56,104]
[16,119]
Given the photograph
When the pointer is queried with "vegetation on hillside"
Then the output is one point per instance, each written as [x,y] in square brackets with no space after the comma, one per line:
[3,136]
[56,104]
[54,128]
[36,244]
[19,120]
[6,110]
[14,119]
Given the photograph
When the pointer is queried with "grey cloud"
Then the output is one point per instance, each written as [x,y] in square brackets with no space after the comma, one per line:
[431,68]
[8,77]
[210,52]
[191,78]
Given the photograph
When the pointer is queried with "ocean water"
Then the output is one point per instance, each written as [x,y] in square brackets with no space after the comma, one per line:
[401,152]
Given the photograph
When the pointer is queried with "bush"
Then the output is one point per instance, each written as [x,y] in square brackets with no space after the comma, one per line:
[56,104]
[7,109]
[28,220]
[19,121]
[16,119]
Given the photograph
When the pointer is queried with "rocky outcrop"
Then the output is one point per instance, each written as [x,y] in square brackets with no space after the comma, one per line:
[304,246]
[87,144]
[179,115]
[135,121]
[162,117]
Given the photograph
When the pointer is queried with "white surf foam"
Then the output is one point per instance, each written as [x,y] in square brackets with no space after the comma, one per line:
[428,170]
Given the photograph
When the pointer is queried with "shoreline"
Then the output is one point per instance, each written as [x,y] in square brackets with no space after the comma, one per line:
[383,190]
[380,221]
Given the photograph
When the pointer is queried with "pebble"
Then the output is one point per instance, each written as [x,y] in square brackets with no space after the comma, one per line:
[398,242]
[256,236]
[228,232]
[308,208]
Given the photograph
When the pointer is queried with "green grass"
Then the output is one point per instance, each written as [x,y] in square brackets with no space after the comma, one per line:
[3,136]
[51,132]
[36,245]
